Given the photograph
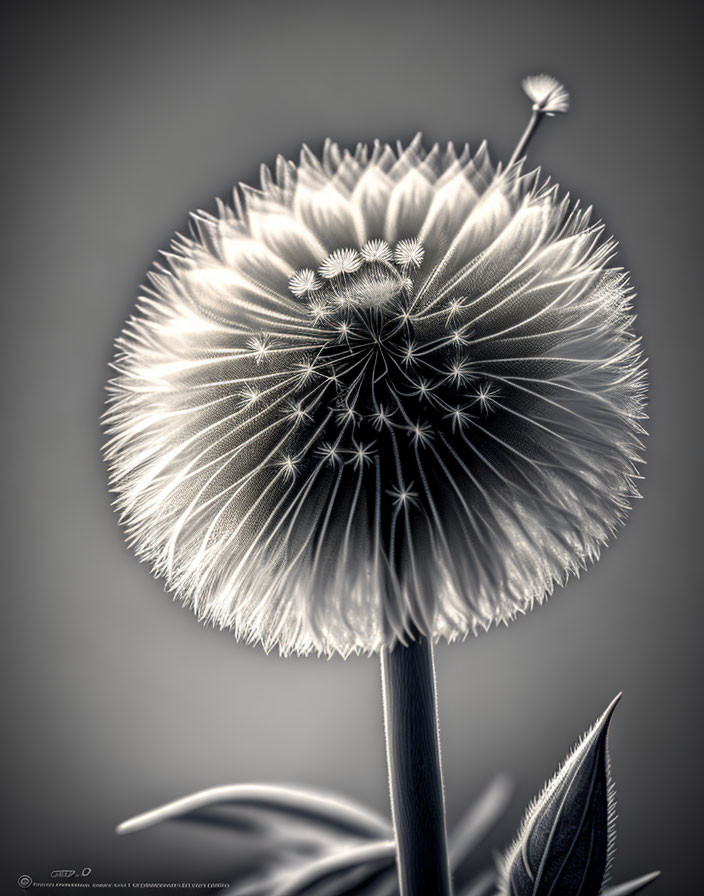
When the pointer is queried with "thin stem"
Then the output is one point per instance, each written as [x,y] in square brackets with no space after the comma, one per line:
[527,136]
[415,777]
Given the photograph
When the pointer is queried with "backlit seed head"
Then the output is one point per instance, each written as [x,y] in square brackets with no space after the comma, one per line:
[392,392]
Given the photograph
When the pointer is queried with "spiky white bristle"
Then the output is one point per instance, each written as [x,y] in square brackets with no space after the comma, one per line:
[548,95]
[392,391]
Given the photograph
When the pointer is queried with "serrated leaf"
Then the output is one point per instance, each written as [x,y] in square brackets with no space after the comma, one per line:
[565,843]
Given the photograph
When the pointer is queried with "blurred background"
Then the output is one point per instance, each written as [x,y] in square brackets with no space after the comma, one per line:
[119,118]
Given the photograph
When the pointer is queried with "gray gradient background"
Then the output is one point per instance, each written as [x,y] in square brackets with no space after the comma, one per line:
[122,116]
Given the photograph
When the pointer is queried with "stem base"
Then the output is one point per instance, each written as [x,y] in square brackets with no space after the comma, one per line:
[415,777]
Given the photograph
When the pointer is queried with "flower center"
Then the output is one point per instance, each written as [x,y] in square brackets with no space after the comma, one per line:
[353,283]
[360,302]
[381,369]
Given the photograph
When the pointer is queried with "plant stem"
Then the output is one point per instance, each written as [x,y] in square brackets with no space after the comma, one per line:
[415,777]
[527,136]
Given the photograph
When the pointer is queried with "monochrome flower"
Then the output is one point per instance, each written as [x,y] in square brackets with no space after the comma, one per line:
[391,392]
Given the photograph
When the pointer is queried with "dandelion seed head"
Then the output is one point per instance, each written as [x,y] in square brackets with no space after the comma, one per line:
[392,391]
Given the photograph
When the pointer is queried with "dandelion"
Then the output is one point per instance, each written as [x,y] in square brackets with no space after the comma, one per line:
[554,380]
[459,336]
[347,417]
[318,310]
[351,288]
